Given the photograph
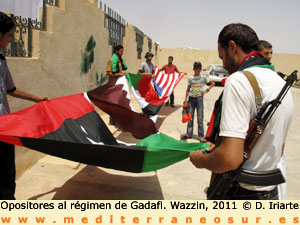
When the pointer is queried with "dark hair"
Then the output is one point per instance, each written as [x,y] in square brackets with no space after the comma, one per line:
[197,65]
[263,44]
[171,57]
[148,54]
[118,47]
[6,23]
[243,35]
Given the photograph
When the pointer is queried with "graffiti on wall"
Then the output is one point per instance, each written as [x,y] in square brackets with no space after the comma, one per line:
[89,78]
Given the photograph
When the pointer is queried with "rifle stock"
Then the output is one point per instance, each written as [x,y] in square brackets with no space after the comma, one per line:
[254,132]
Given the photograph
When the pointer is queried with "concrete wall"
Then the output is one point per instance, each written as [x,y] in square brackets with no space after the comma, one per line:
[184,58]
[60,56]
[130,49]
[286,63]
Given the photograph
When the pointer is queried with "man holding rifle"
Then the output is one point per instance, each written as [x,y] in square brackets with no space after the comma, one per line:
[238,49]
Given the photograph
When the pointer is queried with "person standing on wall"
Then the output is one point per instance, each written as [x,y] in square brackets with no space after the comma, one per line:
[115,69]
[238,50]
[147,67]
[170,68]
[7,87]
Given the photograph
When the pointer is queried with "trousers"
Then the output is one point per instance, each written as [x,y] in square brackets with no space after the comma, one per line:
[171,99]
[7,171]
[196,103]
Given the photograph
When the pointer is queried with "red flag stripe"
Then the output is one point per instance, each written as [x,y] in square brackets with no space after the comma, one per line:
[44,117]
[167,81]
[162,80]
[177,76]
[158,76]
[170,85]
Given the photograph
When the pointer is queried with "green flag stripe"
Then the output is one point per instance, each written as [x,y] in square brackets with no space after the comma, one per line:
[163,151]
[133,80]
[263,66]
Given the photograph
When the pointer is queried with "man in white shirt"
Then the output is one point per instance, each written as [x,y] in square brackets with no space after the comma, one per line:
[238,49]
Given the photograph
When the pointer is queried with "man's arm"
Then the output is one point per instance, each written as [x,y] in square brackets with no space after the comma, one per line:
[211,84]
[187,94]
[141,71]
[27,96]
[111,74]
[109,71]
[144,74]
[225,157]
[162,69]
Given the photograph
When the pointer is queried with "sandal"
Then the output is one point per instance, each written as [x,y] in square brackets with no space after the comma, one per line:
[184,137]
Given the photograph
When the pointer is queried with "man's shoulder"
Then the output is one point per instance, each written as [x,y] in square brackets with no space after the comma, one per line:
[236,77]
[262,75]
[2,57]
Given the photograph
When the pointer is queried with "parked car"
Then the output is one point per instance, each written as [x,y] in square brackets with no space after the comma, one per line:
[216,73]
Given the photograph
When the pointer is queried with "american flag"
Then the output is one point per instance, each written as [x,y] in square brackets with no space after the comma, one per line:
[164,84]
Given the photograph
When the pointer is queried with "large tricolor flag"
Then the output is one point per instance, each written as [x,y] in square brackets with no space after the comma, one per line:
[69,127]
[150,92]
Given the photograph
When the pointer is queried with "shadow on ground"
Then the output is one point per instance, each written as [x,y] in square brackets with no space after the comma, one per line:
[93,183]
[127,137]
[167,110]
[163,113]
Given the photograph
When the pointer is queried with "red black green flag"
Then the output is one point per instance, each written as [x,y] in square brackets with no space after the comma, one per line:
[69,127]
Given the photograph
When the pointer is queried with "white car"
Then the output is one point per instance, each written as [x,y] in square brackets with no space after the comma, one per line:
[216,73]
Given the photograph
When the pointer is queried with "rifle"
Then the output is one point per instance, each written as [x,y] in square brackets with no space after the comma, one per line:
[222,182]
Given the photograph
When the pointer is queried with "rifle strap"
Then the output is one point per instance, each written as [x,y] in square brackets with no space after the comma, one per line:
[255,87]
[258,101]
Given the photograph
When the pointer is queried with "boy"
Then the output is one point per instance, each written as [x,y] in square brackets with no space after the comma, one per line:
[195,91]
[7,86]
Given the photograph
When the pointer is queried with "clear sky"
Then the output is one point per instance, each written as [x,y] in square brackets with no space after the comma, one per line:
[197,23]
